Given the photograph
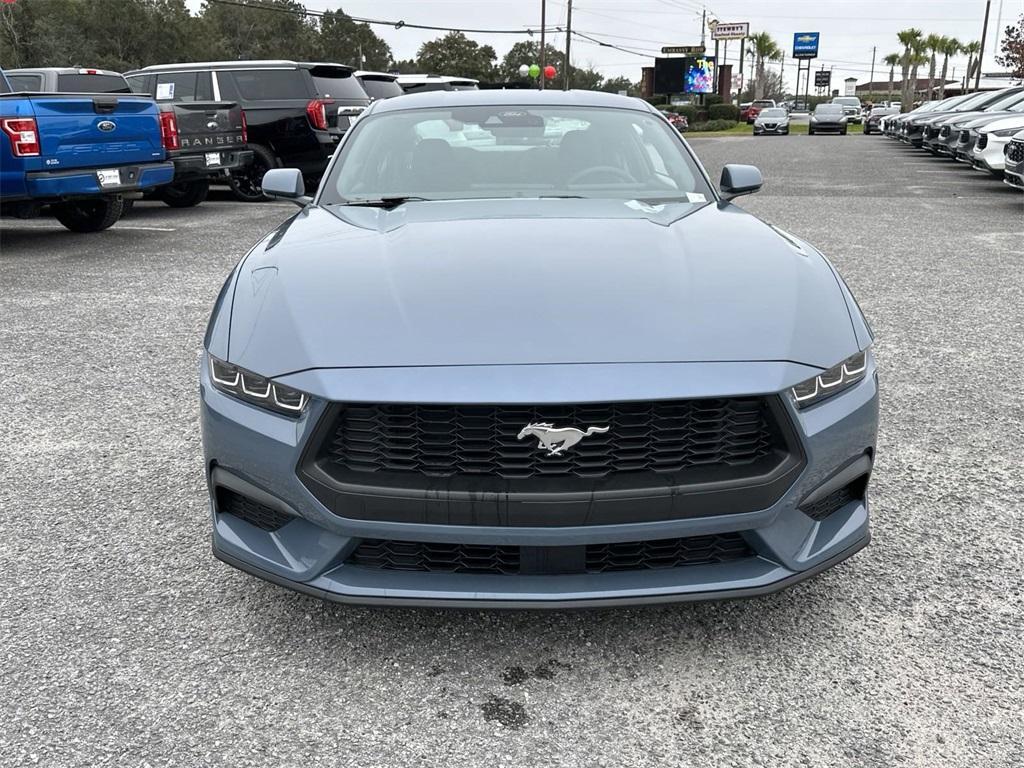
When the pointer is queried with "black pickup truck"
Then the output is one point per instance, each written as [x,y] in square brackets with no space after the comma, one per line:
[202,137]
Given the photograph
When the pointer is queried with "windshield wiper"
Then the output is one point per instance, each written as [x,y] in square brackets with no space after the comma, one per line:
[386,202]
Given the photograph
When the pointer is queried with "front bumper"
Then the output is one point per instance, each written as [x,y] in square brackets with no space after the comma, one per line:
[257,454]
[991,158]
[775,128]
[828,127]
[1013,173]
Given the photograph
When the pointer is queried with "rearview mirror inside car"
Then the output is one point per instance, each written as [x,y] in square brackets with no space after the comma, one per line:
[740,180]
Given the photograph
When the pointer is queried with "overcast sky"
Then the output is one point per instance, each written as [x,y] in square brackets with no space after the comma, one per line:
[849,28]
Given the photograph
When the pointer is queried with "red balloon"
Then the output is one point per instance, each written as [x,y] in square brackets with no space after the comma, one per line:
[549,72]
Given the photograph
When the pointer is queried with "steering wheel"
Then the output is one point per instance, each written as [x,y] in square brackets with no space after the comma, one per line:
[620,174]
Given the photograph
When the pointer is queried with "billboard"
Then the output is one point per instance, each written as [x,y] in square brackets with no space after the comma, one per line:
[805,45]
[730,31]
[691,74]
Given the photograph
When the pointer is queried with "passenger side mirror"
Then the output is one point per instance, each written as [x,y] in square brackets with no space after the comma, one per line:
[286,183]
[739,180]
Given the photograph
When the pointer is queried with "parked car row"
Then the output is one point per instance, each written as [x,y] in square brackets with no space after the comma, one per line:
[984,130]
[169,131]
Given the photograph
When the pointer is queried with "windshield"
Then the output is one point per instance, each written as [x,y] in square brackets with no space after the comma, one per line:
[828,109]
[773,113]
[767,103]
[380,87]
[849,101]
[507,151]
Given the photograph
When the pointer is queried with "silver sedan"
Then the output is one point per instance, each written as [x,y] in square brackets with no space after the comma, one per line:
[772,121]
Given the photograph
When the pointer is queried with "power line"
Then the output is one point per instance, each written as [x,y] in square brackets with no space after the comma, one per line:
[399,24]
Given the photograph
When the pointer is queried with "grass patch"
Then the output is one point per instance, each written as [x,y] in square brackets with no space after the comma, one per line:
[742,129]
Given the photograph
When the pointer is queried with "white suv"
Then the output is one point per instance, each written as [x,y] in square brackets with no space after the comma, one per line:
[993,137]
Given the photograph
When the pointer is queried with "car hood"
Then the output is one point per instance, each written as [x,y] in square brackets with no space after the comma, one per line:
[988,117]
[514,282]
[1002,123]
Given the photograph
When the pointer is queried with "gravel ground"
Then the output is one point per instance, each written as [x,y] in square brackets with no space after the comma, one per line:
[124,643]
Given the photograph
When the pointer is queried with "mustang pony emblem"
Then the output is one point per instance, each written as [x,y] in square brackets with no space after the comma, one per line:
[555,441]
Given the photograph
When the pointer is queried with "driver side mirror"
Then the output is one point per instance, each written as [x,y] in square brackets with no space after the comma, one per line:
[286,183]
[740,180]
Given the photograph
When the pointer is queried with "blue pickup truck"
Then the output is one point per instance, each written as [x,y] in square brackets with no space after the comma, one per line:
[78,153]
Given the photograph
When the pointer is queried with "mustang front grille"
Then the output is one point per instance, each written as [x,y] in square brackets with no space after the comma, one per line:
[635,438]
[382,554]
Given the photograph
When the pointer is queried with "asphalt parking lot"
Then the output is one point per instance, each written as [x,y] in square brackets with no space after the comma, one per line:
[124,643]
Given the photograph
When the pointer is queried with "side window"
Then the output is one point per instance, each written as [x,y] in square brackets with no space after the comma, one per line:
[226,83]
[204,87]
[141,83]
[26,82]
[183,83]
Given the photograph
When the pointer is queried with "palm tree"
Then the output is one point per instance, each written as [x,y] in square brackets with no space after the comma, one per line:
[763,48]
[933,44]
[908,38]
[892,60]
[917,60]
[972,49]
[950,47]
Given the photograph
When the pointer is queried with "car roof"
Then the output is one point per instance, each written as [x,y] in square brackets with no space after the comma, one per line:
[512,97]
[251,64]
[62,71]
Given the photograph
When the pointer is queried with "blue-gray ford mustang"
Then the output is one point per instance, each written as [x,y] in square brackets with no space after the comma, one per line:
[518,351]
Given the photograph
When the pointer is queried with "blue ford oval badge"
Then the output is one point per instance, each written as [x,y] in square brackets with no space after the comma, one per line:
[106,125]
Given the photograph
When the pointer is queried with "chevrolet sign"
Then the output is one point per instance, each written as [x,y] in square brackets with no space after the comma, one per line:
[805,45]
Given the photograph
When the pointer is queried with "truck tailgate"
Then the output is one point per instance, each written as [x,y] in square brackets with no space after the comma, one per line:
[93,130]
[208,124]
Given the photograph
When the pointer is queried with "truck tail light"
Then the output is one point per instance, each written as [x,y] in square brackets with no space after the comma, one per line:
[169,131]
[24,136]
[317,112]
[245,129]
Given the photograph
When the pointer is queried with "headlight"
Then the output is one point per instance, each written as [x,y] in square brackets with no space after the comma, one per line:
[1005,132]
[831,382]
[256,389]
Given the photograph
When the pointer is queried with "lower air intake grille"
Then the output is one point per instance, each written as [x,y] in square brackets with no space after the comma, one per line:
[965,136]
[983,141]
[512,560]
[263,517]
[1015,151]
[666,553]
[836,500]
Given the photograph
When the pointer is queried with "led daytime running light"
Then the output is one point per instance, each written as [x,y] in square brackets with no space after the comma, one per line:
[835,379]
[255,389]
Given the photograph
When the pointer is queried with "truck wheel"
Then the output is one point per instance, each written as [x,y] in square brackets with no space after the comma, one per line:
[185,194]
[246,183]
[89,215]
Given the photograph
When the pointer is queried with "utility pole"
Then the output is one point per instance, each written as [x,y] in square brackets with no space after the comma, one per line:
[981,53]
[568,39]
[874,50]
[743,55]
[543,23]
[703,22]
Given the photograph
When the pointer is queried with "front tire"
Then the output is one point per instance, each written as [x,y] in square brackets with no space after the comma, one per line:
[810,131]
[247,183]
[89,215]
[185,194]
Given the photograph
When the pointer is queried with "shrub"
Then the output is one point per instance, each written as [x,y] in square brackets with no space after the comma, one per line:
[713,125]
[724,112]
[712,98]
[688,111]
